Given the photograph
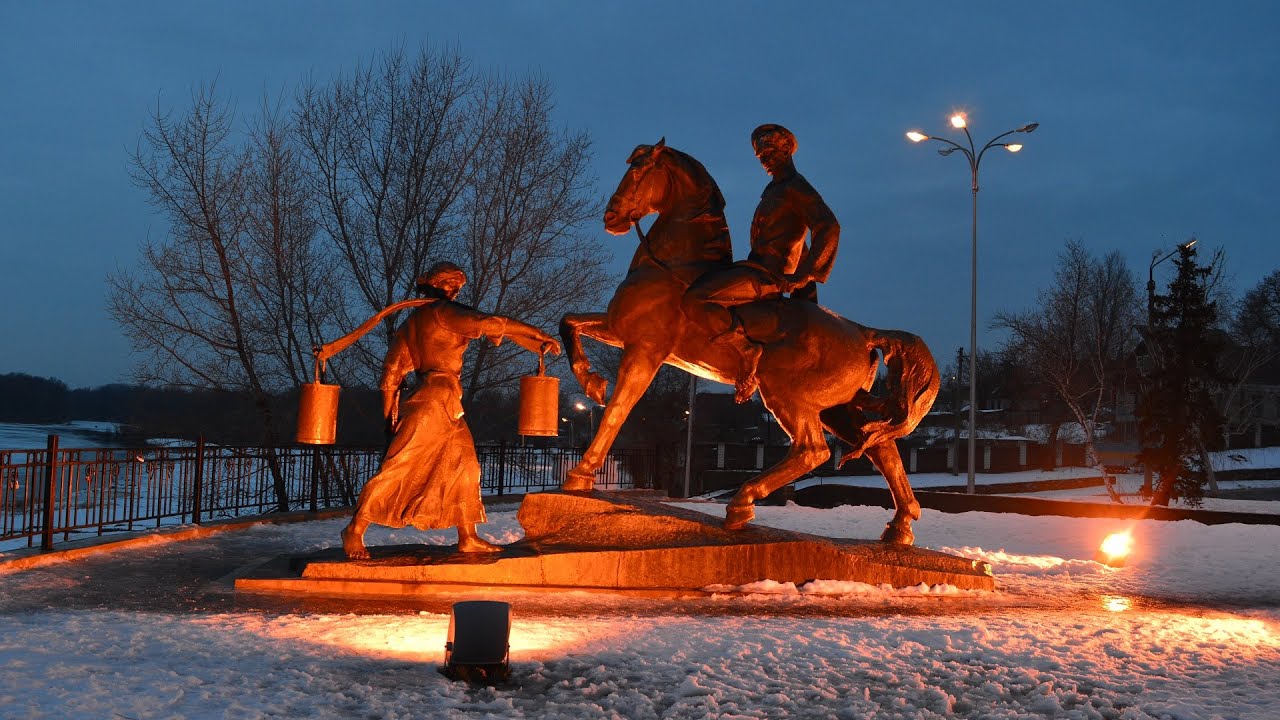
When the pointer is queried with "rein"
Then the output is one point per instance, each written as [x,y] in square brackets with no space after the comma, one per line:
[648,250]
[648,247]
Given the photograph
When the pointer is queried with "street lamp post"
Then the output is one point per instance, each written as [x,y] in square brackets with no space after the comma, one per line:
[1151,277]
[1156,259]
[688,436]
[960,122]
[591,416]
[573,431]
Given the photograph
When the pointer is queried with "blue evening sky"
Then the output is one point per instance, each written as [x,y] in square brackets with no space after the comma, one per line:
[1159,120]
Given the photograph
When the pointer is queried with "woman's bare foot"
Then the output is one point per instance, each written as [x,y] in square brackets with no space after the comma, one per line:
[477,545]
[470,542]
[353,544]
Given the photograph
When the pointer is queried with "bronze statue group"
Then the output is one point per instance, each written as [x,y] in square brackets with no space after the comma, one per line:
[729,321]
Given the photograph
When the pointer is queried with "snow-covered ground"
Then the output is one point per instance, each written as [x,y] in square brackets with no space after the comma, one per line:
[1190,628]
[924,481]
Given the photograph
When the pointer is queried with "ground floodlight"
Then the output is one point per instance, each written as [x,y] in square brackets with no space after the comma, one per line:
[479,646]
[1115,549]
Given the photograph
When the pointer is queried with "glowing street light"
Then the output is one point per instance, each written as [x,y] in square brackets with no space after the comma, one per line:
[591,415]
[960,122]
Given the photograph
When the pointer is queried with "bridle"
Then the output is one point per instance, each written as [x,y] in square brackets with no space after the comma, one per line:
[648,250]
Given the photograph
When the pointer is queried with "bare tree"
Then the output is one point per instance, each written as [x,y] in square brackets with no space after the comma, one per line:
[297,227]
[1075,338]
[216,304]
[390,150]
[1255,331]
[291,275]
[419,158]
[531,193]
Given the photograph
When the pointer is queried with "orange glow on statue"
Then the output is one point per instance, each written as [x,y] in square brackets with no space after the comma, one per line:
[431,477]
[814,369]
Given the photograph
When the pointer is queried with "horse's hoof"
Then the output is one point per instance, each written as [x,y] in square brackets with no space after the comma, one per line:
[578,482]
[595,387]
[737,516]
[897,535]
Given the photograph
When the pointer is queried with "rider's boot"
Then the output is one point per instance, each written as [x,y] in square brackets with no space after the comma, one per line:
[746,383]
[749,351]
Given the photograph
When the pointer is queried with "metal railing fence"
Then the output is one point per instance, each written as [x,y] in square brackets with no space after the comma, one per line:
[56,494]
[515,469]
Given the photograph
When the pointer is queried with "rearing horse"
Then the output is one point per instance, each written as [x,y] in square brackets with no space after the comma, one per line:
[817,367]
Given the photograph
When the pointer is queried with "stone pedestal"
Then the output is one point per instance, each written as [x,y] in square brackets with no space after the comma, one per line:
[621,542]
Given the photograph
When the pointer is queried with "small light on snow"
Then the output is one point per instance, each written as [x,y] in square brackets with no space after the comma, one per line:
[1114,549]
[1116,603]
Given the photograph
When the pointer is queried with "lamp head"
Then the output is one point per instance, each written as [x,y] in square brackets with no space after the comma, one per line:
[1013,147]
[958,121]
[1187,245]
[946,151]
[1029,128]
[916,137]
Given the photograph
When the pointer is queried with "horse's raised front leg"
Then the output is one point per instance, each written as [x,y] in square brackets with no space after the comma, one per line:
[572,328]
[634,375]
[885,457]
[808,451]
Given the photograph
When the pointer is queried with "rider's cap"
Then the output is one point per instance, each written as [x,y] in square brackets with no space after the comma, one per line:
[776,136]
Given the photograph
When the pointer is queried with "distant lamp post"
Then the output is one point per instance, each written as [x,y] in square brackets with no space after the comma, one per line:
[1156,259]
[591,416]
[573,434]
[688,435]
[960,122]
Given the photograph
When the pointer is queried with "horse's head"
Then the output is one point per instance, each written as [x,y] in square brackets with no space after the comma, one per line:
[644,189]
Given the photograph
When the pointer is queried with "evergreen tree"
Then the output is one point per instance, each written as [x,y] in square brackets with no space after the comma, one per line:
[1176,413]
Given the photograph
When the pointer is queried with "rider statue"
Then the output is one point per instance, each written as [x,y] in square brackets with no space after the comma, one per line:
[431,477]
[779,261]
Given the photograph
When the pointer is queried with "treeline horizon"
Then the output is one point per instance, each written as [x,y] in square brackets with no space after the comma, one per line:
[234,417]
[227,417]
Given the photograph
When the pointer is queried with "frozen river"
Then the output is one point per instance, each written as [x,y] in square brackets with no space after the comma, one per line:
[76,434]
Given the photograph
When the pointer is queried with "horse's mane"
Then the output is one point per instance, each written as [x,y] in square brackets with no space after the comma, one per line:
[715,201]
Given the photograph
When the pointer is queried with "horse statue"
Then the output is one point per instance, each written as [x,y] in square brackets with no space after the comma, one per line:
[816,370]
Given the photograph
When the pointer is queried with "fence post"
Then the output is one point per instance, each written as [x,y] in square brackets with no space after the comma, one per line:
[50,483]
[315,476]
[197,489]
[502,464]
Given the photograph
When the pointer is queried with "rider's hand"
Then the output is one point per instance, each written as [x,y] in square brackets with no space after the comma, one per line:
[550,344]
[792,281]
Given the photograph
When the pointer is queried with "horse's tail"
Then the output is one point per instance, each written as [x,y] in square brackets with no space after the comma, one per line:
[912,386]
